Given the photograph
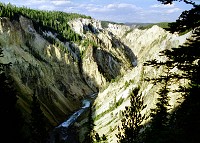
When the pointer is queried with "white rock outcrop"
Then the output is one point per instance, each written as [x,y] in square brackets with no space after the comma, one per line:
[146,45]
[107,60]
[36,64]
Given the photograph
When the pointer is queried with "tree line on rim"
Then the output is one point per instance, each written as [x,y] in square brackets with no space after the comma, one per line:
[54,21]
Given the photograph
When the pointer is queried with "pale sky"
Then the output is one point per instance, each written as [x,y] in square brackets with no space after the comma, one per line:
[143,11]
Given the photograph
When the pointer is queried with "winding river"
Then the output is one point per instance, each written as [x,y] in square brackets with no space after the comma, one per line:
[62,131]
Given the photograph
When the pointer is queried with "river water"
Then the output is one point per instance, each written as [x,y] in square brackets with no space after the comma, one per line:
[64,132]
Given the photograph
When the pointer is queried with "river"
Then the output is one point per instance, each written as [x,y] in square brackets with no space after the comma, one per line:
[64,132]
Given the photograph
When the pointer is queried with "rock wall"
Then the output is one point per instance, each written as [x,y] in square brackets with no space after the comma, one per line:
[106,57]
[58,73]
[146,45]
[62,75]
[38,66]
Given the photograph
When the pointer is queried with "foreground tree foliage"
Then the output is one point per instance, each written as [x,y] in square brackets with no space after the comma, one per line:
[171,1]
[132,119]
[38,124]
[188,20]
[160,115]
[183,125]
[11,119]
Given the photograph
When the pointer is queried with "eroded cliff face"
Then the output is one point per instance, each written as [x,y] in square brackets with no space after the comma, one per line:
[107,58]
[146,45]
[108,61]
[61,74]
[44,68]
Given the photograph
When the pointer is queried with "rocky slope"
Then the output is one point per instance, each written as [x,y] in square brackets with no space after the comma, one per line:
[146,45]
[39,65]
[61,74]
[108,61]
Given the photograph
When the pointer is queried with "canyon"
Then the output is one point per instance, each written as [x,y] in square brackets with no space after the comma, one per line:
[108,61]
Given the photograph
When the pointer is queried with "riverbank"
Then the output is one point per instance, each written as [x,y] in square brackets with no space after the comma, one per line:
[77,124]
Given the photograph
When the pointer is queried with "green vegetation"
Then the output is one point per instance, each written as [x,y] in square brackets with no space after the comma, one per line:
[116,79]
[54,21]
[98,139]
[112,106]
[104,24]
[127,83]
[11,121]
[127,32]
[163,25]
[132,119]
[87,43]
[38,124]
[182,125]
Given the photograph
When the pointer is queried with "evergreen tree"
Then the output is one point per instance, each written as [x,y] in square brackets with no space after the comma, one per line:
[11,118]
[159,122]
[132,119]
[38,125]
[184,124]
[186,120]
[54,21]
[97,137]
[171,1]
[104,138]
[158,131]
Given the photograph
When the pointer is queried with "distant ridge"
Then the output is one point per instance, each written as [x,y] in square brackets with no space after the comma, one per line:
[163,25]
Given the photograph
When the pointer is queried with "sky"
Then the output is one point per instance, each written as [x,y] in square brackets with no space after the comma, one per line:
[138,11]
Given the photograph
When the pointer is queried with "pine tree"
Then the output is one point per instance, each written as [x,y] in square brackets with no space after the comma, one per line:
[97,137]
[186,119]
[160,117]
[38,124]
[132,119]
[11,118]
[160,114]
[171,1]
[184,124]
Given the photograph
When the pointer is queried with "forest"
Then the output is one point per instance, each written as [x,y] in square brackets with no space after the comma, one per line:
[54,21]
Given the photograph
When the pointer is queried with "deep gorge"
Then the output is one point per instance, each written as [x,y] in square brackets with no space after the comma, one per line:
[64,68]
